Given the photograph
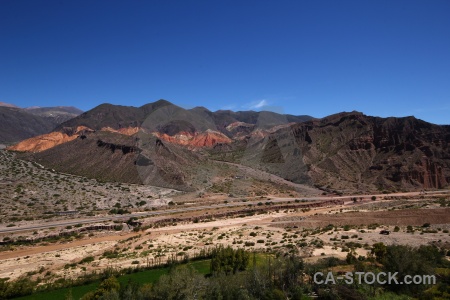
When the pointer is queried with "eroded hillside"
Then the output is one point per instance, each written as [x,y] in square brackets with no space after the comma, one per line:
[166,145]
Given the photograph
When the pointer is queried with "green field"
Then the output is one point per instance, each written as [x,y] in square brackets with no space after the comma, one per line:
[143,277]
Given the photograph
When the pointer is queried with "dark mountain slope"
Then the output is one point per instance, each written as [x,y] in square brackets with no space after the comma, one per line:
[177,148]
[109,156]
[350,151]
[263,120]
[114,116]
[357,152]
[102,155]
[57,114]
[17,124]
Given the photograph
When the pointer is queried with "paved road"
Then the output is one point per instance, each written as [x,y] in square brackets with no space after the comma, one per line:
[193,208]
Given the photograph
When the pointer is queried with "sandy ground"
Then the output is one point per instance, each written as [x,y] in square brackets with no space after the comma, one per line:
[21,260]
[285,231]
[15,267]
[24,251]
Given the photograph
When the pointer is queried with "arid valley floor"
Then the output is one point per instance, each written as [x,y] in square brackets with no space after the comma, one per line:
[173,225]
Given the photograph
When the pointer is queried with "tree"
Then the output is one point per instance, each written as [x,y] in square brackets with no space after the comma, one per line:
[379,250]
[68,295]
[107,290]
[182,282]
[407,260]
[20,287]
[228,260]
[351,258]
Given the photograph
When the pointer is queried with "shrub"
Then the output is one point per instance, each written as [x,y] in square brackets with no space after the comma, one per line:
[87,260]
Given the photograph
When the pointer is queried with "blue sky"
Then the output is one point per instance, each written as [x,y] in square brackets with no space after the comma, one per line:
[384,58]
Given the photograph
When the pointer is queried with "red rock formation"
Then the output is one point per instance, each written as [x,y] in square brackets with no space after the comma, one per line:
[428,173]
[181,138]
[46,141]
[42,142]
[208,139]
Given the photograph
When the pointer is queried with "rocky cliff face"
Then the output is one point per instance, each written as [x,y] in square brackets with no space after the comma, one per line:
[350,152]
[360,152]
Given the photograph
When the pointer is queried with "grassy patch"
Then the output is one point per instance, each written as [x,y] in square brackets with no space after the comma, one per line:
[77,293]
[149,276]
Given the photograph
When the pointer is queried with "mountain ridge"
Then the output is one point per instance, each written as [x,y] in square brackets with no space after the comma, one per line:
[22,123]
[346,151]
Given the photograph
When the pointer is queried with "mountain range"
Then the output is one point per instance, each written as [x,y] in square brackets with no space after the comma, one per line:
[165,145]
[21,123]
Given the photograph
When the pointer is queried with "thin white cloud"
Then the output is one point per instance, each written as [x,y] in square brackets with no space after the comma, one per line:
[258,104]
